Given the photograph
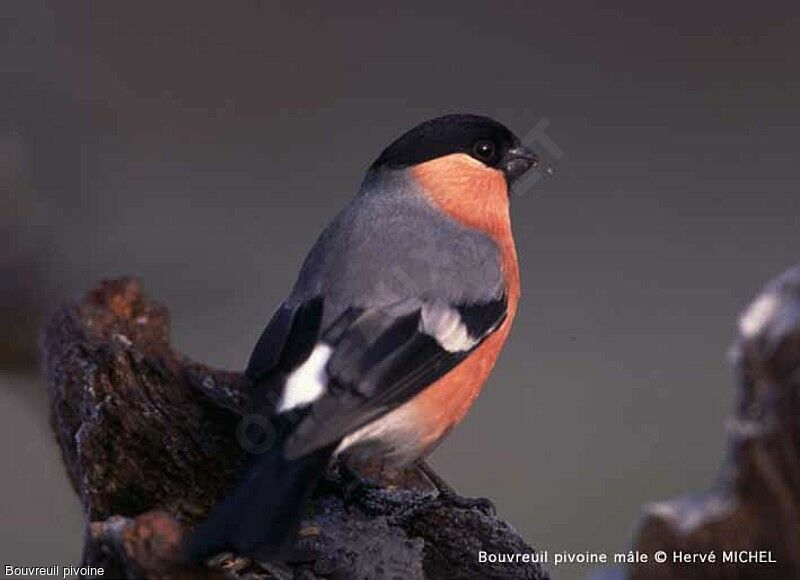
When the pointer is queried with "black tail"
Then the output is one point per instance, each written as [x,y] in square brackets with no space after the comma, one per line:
[261,515]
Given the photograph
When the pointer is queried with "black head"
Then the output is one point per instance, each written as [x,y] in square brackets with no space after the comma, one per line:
[482,138]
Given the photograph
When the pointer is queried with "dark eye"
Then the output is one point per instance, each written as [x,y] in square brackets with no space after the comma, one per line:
[483,150]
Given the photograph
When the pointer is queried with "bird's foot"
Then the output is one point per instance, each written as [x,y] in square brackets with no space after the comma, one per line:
[353,483]
[448,495]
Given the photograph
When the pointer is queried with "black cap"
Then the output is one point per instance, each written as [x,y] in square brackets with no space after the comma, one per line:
[480,137]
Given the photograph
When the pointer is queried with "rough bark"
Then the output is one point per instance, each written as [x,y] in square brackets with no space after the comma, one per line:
[755,505]
[149,441]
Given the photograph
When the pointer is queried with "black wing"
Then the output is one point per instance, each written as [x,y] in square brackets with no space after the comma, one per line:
[287,340]
[383,357]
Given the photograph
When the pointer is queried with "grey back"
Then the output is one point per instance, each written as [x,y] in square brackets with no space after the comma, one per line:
[389,244]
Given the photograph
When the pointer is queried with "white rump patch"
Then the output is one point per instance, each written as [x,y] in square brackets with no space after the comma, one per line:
[444,324]
[759,314]
[308,382]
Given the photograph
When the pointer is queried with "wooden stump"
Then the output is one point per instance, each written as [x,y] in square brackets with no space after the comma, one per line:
[149,441]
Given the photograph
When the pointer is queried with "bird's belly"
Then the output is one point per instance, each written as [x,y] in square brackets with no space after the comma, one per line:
[413,429]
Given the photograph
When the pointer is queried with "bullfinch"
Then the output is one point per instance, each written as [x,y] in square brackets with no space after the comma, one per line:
[396,319]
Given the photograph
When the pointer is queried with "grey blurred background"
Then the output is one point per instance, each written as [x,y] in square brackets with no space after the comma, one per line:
[202,146]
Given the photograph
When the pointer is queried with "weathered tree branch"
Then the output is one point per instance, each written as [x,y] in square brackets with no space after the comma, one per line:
[756,502]
[148,438]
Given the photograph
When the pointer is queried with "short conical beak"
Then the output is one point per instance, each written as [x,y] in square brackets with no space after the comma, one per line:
[517,162]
